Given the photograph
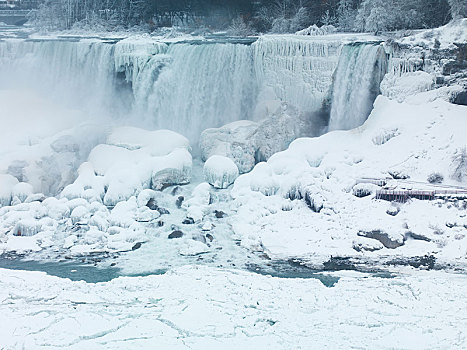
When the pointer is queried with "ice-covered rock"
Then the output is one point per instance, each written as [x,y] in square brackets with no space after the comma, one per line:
[234,140]
[7,183]
[389,240]
[247,142]
[197,205]
[22,190]
[400,87]
[172,169]
[220,171]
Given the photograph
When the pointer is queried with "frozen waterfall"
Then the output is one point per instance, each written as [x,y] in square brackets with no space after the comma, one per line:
[194,85]
[361,69]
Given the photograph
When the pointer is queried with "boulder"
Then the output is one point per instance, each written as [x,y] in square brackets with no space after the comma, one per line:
[176,234]
[388,240]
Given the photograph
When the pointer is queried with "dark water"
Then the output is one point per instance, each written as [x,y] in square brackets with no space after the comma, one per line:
[74,270]
[82,270]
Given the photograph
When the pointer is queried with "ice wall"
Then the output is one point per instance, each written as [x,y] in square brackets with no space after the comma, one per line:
[299,69]
[357,80]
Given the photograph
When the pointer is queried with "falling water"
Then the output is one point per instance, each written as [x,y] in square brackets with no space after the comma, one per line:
[357,78]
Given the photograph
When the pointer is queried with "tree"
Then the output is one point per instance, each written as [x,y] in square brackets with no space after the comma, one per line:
[346,15]
[458,8]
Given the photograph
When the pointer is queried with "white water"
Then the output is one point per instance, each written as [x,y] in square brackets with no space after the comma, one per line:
[356,84]
[188,87]
[205,86]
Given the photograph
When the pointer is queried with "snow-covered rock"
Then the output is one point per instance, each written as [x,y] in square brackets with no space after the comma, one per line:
[220,171]
[7,183]
[247,142]
[234,140]
[172,169]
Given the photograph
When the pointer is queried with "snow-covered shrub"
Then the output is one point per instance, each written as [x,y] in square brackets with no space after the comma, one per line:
[435,178]
[459,162]
[315,30]
[240,28]
[220,171]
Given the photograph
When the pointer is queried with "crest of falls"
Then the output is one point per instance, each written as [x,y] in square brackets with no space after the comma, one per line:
[357,80]
[191,86]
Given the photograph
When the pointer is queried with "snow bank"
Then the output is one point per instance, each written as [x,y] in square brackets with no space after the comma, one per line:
[303,202]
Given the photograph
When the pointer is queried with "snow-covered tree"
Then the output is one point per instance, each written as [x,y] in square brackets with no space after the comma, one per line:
[346,15]
[458,8]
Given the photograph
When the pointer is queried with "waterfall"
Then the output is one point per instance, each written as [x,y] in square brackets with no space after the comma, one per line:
[361,69]
[203,86]
[190,86]
[73,72]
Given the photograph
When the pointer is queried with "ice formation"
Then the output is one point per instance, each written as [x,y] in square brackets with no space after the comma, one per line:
[220,171]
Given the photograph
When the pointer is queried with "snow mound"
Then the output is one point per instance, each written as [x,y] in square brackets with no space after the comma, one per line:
[220,171]
[135,159]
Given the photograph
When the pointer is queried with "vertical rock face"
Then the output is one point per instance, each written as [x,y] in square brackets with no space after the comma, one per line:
[356,84]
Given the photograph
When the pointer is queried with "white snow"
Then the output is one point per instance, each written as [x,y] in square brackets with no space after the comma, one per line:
[417,138]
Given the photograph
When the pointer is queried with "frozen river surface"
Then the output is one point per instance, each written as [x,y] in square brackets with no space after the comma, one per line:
[200,307]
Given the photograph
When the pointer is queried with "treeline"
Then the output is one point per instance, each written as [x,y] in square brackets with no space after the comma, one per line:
[249,16]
